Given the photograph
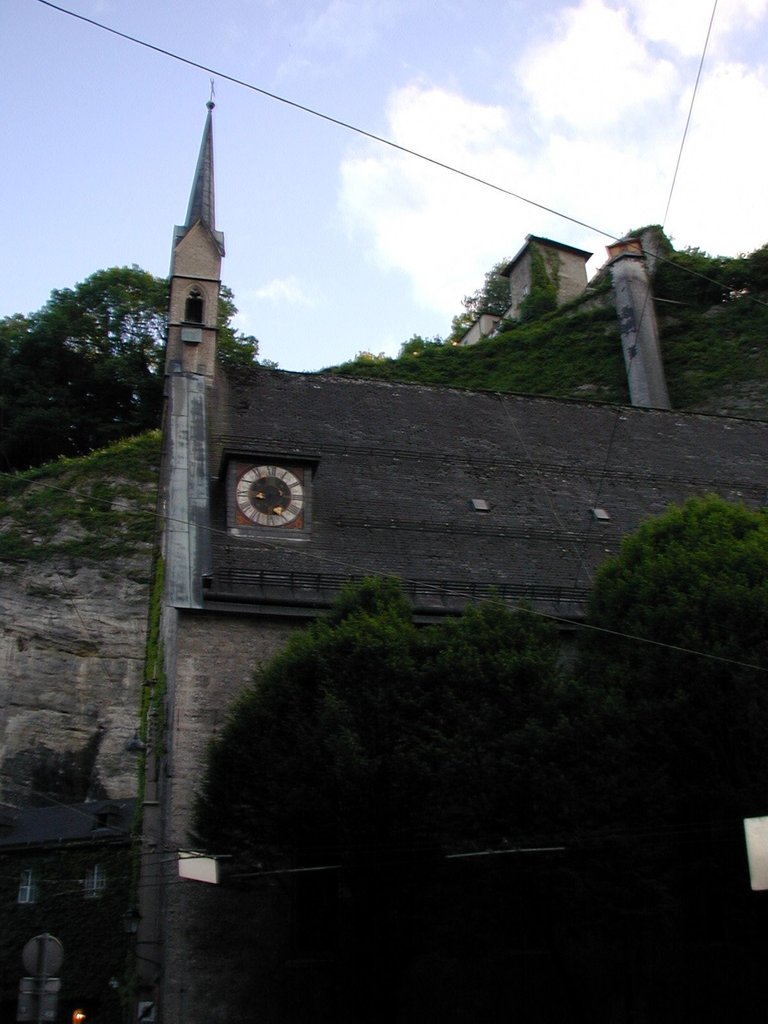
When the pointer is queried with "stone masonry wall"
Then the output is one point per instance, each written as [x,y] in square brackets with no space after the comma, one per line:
[72,639]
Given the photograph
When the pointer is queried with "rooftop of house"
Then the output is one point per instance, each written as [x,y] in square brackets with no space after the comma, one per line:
[95,821]
[458,493]
[547,243]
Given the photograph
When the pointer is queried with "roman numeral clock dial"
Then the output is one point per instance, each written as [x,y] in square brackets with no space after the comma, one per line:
[270,496]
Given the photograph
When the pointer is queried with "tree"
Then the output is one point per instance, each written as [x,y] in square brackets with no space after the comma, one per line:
[693,585]
[673,690]
[369,729]
[378,746]
[86,369]
[493,297]
[416,345]
[232,347]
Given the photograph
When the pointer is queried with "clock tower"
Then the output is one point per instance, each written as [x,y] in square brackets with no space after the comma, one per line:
[196,273]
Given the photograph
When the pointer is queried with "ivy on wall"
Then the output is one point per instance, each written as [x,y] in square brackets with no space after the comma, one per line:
[90,928]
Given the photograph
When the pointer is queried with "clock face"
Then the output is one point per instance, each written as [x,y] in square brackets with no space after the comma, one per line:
[270,496]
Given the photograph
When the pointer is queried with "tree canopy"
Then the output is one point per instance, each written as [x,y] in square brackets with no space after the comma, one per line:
[367,732]
[378,747]
[86,369]
[681,650]
[493,297]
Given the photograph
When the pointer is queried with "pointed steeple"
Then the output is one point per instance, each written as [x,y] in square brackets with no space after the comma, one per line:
[196,274]
[202,198]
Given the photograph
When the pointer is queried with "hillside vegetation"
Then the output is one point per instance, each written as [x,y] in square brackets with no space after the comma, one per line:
[713,322]
[96,506]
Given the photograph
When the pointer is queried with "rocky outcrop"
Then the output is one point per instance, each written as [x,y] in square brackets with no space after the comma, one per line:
[73,623]
[72,654]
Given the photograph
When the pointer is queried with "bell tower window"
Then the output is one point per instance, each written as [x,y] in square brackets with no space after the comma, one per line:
[193,309]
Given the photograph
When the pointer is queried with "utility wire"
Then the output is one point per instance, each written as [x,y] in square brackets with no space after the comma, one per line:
[427,586]
[690,112]
[330,119]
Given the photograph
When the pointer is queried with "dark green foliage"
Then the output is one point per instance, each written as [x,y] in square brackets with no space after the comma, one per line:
[493,297]
[545,280]
[233,348]
[692,701]
[712,360]
[417,345]
[693,278]
[671,713]
[376,746]
[364,733]
[86,369]
[99,506]
[712,334]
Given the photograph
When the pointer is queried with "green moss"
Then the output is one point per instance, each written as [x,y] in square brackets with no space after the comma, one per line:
[95,507]
[564,356]
[713,323]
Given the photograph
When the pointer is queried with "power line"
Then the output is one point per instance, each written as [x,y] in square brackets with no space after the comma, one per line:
[690,112]
[426,585]
[382,140]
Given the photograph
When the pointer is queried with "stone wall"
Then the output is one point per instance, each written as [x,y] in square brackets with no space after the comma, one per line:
[72,640]
[214,657]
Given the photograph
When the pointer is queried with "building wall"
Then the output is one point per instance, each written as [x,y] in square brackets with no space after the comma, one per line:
[573,277]
[566,268]
[90,929]
[196,264]
[520,283]
[214,657]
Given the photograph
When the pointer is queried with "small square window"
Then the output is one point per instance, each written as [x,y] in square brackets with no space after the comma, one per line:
[481,505]
[27,887]
[95,882]
[601,515]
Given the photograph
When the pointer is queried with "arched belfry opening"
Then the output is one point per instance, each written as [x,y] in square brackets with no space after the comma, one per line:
[194,307]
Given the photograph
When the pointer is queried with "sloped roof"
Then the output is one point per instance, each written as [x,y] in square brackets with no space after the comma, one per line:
[395,469]
[547,243]
[95,821]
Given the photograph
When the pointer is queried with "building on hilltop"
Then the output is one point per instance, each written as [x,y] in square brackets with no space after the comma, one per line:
[280,487]
[543,272]
[546,275]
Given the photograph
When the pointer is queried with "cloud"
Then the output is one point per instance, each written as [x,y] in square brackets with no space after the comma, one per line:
[284,290]
[422,220]
[350,27]
[720,200]
[594,71]
[683,24]
[593,131]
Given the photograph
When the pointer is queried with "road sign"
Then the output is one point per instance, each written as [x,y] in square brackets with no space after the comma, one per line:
[43,955]
[38,1000]
[39,995]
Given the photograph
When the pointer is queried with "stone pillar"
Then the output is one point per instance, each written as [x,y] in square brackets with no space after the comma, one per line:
[637,322]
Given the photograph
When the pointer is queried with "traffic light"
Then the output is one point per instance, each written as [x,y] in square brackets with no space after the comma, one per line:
[78,1017]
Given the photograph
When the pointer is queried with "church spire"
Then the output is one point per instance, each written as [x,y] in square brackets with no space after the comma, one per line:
[196,273]
[202,198]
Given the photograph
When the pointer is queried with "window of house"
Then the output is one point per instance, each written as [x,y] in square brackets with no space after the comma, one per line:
[95,882]
[27,887]
[193,310]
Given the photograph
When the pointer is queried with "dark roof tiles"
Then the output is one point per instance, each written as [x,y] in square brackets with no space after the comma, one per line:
[396,468]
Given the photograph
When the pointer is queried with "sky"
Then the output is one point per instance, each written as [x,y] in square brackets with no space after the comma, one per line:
[336,243]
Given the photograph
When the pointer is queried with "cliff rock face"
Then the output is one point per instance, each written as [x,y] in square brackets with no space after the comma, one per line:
[75,571]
